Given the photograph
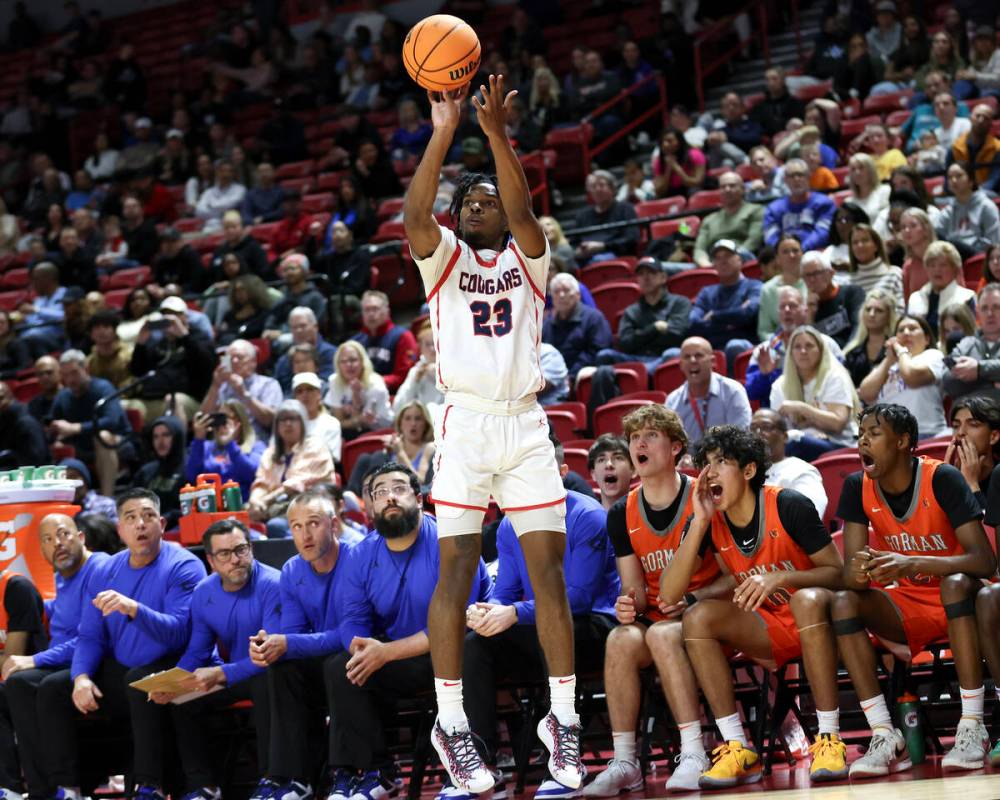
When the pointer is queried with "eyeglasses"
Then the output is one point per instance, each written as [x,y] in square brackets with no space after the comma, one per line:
[399,490]
[225,556]
[814,274]
[795,175]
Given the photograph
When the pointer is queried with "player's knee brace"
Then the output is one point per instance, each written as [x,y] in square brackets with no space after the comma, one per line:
[847,627]
[962,608]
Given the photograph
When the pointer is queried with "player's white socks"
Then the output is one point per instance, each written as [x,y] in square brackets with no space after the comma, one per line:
[562,694]
[624,744]
[451,711]
[691,741]
[972,703]
[877,713]
[732,729]
[829,721]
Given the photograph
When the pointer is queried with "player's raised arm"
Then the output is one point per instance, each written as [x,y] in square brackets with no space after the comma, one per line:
[418,210]
[514,193]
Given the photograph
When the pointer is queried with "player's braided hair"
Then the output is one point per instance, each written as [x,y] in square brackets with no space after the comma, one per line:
[897,417]
[465,183]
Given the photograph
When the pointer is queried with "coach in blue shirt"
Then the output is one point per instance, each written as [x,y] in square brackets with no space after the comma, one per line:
[303,641]
[137,623]
[504,639]
[235,602]
[63,546]
[384,596]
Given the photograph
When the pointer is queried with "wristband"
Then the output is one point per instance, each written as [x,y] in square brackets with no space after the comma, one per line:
[690,599]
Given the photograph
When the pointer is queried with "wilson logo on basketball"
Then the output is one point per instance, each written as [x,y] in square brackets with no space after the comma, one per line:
[461,72]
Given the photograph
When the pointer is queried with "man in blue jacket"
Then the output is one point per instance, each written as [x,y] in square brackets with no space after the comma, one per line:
[296,649]
[383,597]
[229,607]
[807,214]
[136,624]
[63,546]
[504,639]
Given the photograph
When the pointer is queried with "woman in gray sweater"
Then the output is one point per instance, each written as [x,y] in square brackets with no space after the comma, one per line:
[969,220]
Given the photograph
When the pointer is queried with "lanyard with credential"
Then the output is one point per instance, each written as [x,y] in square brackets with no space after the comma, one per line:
[698,412]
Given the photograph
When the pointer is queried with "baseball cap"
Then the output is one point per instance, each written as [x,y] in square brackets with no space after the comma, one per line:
[174,305]
[724,244]
[171,235]
[144,122]
[885,7]
[984,32]
[306,379]
[473,145]
[175,133]
[648,262]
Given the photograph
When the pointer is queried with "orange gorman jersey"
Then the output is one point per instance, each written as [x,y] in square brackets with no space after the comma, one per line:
[656,548]
[775,550]
[924,530]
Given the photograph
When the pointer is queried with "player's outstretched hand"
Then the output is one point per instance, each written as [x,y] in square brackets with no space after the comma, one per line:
[446,107]
[492,110]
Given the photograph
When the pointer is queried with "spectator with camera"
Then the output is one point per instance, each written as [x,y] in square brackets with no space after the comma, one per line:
[224,442]
[236,378]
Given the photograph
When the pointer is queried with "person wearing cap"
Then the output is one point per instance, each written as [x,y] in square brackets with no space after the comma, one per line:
[181,360]
[652,328]
[304,327]
[475,158]
[736,219]
[982,76]
[144,148]
[887,34]
[308,389]
[43,316]
[89,499]
[802,212]
[176,262]
[196,320]
[603,245]
[293,233]
[222,196]
[298,291]
[176,160]
[262,202]
[979,147]
[726,313]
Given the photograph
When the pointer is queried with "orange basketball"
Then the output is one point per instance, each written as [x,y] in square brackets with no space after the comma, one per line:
[441,52]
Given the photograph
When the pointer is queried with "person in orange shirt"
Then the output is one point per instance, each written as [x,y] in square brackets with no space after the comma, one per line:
[916,585]
[771,540]
[821,179]
[646,528]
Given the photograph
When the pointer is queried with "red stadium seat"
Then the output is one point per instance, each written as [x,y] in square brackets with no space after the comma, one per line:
[935,448]
[886,103]
[317,203]
[570,145]
[365,443]
[654,208]
[18,278]
[116,298]
[740,365]
[130,278]
[563,423]
[752,269]
[897,118]
[135,419]
[189,224]
[389,208]
[834,469]
[389,231]
[807,93]
[329,181]
[295,169]
[606,272]
[300,185]
[576,460]
[25,389]
[608,418]
[973,269]
[9,301]
[614,297]
[850,128]
[263,348]
[631,377]
[666,227]
[689,282]
[710,198]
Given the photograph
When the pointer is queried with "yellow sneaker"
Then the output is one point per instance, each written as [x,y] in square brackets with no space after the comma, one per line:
[829,758]
[733,764]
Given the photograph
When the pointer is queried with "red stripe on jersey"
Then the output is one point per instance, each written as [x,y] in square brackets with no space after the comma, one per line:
[539,505]
[437,339]
[437,502]
[444,422]
[492,262]
[447,271]
[517,255]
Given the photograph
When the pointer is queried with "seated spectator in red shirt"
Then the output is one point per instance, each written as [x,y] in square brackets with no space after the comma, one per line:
[294,230]
[391,348]
[157,202]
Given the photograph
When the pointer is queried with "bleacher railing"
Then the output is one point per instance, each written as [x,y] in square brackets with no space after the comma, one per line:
[659,107]
[705,65]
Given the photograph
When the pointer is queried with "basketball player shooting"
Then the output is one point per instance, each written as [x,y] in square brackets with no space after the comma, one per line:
[485,288]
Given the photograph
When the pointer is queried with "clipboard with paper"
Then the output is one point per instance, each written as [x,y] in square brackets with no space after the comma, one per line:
[175,681]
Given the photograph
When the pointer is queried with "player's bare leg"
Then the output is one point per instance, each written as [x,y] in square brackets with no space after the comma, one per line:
[854,614]
[988,620]
[451,736]
[559,730]
[972,741]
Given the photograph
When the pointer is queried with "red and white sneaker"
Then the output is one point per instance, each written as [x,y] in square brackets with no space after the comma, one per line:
[563,744]
[461,760]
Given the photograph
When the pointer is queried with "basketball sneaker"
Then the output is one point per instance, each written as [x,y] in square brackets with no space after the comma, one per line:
[972,742]
[886,753]
[563,744]
[829,758]
[204,793]
[451,792]
[620,776]
[687,774]
[293,790]
[461,760]
[146,792]
[265,789]
[373,785]
[550,789]
[342,783]
[733,764]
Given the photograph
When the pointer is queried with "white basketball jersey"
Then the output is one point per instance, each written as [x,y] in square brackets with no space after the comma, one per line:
[486,312]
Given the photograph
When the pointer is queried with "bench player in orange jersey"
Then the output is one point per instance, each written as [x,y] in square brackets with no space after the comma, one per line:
[771,540]
[646,527]
[916,584]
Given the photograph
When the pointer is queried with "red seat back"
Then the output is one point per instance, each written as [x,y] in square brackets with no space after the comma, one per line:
[365,443]
[834,469]
[691,281]
[614,297]
[606,272]
[608,418]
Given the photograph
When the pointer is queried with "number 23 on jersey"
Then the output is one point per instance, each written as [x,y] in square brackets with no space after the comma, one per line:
[495,320]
